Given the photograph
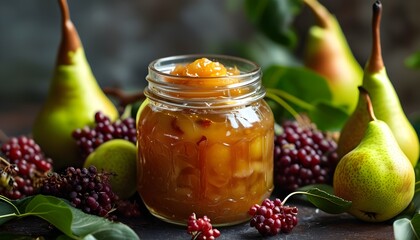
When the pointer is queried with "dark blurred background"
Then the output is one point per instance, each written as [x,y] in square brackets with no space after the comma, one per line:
[121,37]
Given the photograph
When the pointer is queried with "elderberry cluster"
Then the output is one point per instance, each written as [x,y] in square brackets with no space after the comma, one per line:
[272,217]
[303,156]
[89,138]
[28,165]
[201,228]
[85,188]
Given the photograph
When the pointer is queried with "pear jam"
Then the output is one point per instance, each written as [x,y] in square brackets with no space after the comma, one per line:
[205,139]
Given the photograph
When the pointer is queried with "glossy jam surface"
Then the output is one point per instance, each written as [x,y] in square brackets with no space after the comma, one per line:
[203,67]
[214,162]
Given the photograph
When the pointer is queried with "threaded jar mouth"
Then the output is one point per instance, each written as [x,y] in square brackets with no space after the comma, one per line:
[204,92]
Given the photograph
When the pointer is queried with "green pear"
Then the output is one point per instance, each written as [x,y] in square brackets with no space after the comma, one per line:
[73,98]
[328,53]
[119,157]
[385,102]
[376,175]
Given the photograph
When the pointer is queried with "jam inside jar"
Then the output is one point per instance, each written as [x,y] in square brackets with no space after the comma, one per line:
[205,139]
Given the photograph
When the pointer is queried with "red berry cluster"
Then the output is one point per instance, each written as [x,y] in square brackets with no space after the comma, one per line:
[303,156]
[30,163]
[89,138]
[272,217]
[201,228]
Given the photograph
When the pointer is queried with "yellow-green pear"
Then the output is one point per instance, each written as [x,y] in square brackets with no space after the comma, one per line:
[376,175]
[73,98]
[385,101]
[328,53]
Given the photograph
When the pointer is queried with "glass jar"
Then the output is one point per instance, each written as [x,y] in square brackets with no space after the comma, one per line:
[205,144]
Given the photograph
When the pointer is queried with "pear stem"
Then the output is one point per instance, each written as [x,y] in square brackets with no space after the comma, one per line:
[321,13]
[70,40]
[123,98]
[365,95]
[3,137]
[375,63]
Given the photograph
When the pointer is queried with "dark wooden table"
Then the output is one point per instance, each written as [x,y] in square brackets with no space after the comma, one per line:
[313,224]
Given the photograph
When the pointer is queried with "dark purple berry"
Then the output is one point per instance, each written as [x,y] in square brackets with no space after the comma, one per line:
[303,156]
[89,138]
[78,185]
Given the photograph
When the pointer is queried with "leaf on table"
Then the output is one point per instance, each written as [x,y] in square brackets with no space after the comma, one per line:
[74,223]
[323,187]
[326,202]
[7,210]
[406,229]
[90,226]
[53,210]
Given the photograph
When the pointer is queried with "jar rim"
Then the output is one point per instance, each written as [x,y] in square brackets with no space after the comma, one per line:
[224,91]
[177,58]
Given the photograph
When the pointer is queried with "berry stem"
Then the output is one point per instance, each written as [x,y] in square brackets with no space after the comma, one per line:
[285,105]
[3,136]
[195,236]
[291,98]
[5,199]
[4,161]
[294,193]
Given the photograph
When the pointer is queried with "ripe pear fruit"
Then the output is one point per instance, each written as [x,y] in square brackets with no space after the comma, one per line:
[328,53]
[376,175]
[73,99]
[385,102]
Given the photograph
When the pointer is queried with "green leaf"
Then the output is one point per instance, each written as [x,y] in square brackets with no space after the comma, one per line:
[328,117]
[88,226]
[328,203]
[74,223]
[299,82]
[7,210]
[265,52]
[53,210]
[274,18]
[303,91]
[406,229]
[413,61]
[323,187]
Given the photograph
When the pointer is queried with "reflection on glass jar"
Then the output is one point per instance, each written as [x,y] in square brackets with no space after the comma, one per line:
[205,143]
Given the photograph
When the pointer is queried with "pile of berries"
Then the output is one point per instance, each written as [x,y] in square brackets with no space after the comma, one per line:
[85,188]
[25,167]
[89,190]
[201,228]
[272,217]
[303,156]
[89,138]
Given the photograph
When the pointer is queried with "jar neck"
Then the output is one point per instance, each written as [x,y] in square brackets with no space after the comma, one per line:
[204,92]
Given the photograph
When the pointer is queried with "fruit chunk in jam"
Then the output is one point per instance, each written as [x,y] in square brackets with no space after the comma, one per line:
[214,162]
